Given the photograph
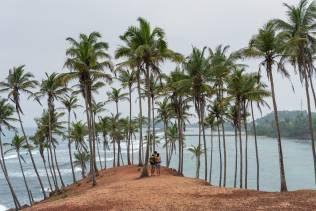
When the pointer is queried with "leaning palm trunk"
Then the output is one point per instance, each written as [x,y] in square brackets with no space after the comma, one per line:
[246,148]
[256,145]
[104,149]
[140,159]
[276,116]
[166,142]
[24,179]
[312,87]
[15,199]
[98,149]
[310,120]
[30,152]
[220,156]
[58,170]
[51,167]
[47,175]
[69,150]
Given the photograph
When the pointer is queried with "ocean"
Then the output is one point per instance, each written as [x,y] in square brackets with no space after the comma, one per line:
[297,158]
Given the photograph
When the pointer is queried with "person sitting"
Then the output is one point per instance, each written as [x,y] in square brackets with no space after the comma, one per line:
[158,161]
[152,162]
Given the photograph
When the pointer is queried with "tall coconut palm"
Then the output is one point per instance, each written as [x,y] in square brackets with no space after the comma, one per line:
[268,45]
[299,33]
[222,64]
[17,82]
[150,50]
[104,128]
[70,103]
[172,136]
[53,88]
[6,119]
[17,144]
[197,68]
[87,58]
[128,78]
[78,131]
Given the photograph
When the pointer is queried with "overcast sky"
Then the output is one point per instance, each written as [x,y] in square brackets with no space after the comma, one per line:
[33,33]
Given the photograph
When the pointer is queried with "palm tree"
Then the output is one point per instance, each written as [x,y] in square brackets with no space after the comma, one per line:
[104,128]
[164,111]
[210,121]
[18,143]
[197,152]
[81,158]
[299,32]
[17,82]
[150,50]
[197,68]
[128,78]
[70,103]
[53,88]
[221,65]
[78,131]
[87,59]
[6,113]
[172,136]
[268,44]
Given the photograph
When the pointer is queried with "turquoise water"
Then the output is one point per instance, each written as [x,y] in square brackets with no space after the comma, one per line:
[297,158]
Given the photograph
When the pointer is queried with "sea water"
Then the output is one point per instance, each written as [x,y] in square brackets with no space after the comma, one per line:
[297,158]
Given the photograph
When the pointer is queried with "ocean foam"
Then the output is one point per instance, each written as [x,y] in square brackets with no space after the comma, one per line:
[2,208]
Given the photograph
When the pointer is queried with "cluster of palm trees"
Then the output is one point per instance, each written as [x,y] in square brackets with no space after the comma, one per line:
[211,82]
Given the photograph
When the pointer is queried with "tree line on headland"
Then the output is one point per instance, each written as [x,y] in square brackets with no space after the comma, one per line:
[212,82]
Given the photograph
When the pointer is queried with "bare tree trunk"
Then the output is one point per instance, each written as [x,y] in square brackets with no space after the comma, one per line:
[24,179]
[153,118]
[310,121]
[204,140]
[220,157]
[69,150]
[129,128]
[236,157]
[240,144]
[30,153]
[140,160]
[15,199]
[145,168]
[57,166]
[246,150]
[49,182]
[211,160]
[256,145]
[224,148]
[283,187]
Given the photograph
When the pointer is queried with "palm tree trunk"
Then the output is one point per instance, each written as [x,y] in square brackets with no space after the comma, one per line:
[140,160]
[15,199]
[49,182]
[312,86]
[153,118]
[220,157]
[129,127]
[104,149]
[256,145]
[236,157]
[24,179]
[69,150]
[52,168]
[224,149]
[98,150]
[145,168]
[246,150]
[283,187]
[114,153]
[118,152]
[211,159]
[57,166]
[240,144]
[204,140]
[310,121]
[30,153]
[166,142]
[88,110]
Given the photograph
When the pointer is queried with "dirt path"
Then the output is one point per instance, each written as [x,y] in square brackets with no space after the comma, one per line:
[120,189]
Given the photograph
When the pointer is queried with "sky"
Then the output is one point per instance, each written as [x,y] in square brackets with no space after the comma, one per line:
[33,33]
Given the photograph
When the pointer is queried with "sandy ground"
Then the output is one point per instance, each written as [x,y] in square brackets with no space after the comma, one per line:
[121,189]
